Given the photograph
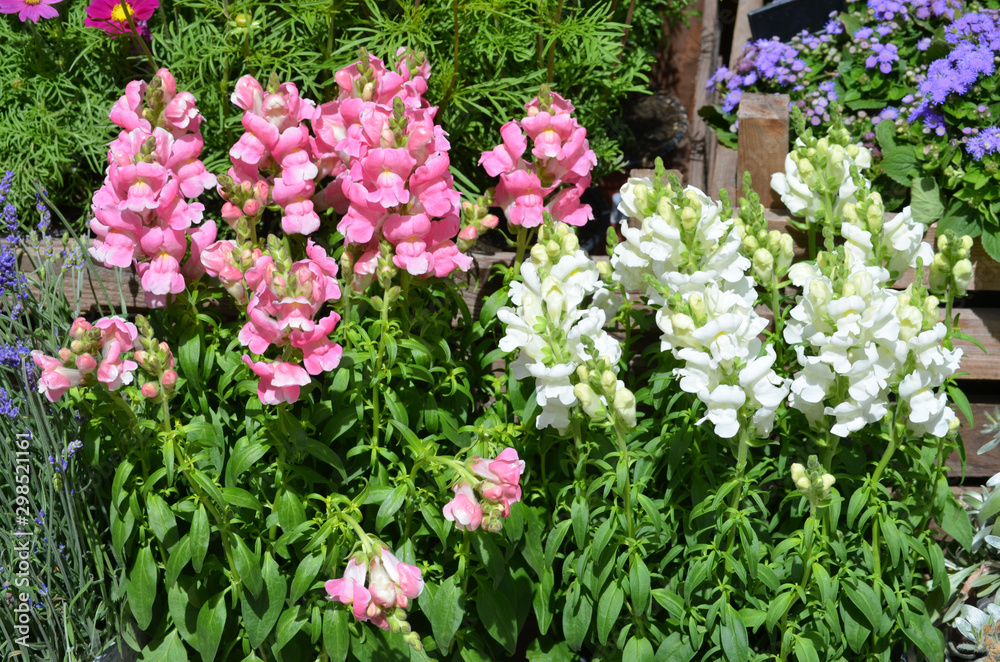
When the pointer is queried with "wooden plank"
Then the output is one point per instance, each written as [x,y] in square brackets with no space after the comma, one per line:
[763,140]
[702,139]
[723,173]
[977,467]
[741,29]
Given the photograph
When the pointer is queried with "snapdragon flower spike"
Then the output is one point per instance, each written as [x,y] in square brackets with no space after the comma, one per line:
[391,584]
[97,355]
[557,324]
[284,299]
[275,150]
[553,175]
[142,215]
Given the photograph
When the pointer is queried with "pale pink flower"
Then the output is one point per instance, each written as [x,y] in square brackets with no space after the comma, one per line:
[56,378]
[464,509]
[280,381]
[350,589]
[114,370]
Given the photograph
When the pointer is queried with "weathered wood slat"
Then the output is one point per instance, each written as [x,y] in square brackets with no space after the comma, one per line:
[763,140]
[702,139]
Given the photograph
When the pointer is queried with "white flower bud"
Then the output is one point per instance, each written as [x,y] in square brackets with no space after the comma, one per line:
[552,247]
[942,243]
[609,382]
[589,400]
[583,373]
[962,274]
[828,481]
[966,245]
[555,305]
[682,324]
[625,406]
[570,243]
[665,210]
[539,256]
[798,472]
[697,306]
[876,217]
[604,268]
[763,266]
[689,218]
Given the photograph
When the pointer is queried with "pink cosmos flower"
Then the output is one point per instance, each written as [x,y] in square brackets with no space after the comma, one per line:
[29,10]
[464,510]
[111,15]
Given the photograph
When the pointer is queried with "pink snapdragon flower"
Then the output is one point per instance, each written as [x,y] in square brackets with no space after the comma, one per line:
[98,353]
[391,584]
[280,381]
[141,214]
[558,172]
[390,167]
[499,488]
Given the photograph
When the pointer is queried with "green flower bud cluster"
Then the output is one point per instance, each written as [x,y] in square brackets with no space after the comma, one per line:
[555,240]
[598,385]
[951,268]
[813,481]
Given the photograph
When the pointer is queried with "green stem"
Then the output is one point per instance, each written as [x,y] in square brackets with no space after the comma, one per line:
[522,246]
[366,542]
[550,75]
[779,321]
[377,376]
[949,301]
[811,236]
[737,494]
[138,39]
[626,495]
[884,462]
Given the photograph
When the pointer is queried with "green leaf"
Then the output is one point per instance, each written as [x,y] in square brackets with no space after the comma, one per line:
[960,401]
[390,506]
[305,575]
[580,516]
[211,623]
[189,354]
[609,607]
[445,612]
[638,577]
[577,615]
[991,241]
[898,162]
[855,631]
[491,556]
[955,519]
[336,635]
[961,218]
[638,649]
[734,636]
[779,607]
[922,634]
[170,649]
[925,201]
[247,564]
[261,612]
[142,587]
[289,624]
[805,651]
[199,537]
[161,519]
[291,512]
[243,458]
[863,597]
[492,305]
[497,616]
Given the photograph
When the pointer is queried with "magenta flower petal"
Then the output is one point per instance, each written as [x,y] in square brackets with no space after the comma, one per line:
[29,10]
[112,15]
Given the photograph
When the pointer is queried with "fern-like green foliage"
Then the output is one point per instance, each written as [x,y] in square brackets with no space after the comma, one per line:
[59,79]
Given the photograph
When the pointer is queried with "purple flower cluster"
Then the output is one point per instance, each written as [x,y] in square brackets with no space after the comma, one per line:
[61,463]
[887,10]
[986,142]
[10,277]
[7,406]
[765,60]
[982,27]
[815,106]
[43,212]
[10,355]
[928,9]
[883,55]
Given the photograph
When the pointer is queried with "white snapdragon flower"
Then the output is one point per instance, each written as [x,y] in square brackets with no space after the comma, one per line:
[684,243]
[901,239]
[724,366]
[802,185]
[555,329]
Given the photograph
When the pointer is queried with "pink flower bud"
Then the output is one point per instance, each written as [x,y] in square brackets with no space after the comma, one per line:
[150,390]
[251,207]
[490,221]
[231,213]
[121,158]
[86,363]
[65,355]
[469,233]
[260,191]
[79,327]
[169,379]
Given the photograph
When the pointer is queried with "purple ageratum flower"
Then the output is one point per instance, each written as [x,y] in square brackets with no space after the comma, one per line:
[863,33]
[982,27]
[731,100]
[987,142]
[887,9]
[924,44]
[883,56]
